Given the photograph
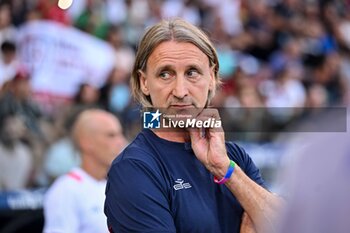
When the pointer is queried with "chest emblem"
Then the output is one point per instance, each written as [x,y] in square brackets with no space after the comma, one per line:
[180,184]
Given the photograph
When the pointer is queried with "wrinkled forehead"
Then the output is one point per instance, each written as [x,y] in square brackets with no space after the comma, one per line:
[171,51]
[177,51]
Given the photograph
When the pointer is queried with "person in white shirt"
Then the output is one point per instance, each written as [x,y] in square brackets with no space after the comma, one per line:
[74,203]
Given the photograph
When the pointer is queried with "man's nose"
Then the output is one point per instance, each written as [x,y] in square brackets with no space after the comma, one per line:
[180,89]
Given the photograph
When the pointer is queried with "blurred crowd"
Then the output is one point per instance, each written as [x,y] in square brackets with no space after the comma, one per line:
[292,55]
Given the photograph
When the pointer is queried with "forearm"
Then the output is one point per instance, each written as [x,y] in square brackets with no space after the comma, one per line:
[261,205]
[247,226]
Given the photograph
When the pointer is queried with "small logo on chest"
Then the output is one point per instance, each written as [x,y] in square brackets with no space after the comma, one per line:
[179,184]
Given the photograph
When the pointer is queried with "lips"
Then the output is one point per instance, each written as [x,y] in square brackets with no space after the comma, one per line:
[181,106]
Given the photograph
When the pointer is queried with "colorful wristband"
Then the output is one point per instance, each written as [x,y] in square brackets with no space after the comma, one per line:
[229,172]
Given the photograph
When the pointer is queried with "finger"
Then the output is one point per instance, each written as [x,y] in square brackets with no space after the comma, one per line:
[195,133]
[210,113]
[208,122]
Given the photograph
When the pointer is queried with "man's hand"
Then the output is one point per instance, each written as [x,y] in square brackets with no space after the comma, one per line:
[209,144]
[209,147]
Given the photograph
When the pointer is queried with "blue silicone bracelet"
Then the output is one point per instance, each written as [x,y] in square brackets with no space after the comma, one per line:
[229,172]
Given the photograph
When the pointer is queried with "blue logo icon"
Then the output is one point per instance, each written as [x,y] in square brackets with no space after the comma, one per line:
[151,120]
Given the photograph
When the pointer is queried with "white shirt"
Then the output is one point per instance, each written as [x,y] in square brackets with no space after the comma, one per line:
[74,204]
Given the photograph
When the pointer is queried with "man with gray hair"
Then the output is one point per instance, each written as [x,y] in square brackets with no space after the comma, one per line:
[183,179]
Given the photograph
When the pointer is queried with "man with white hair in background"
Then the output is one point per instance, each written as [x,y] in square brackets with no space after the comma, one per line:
[74,203]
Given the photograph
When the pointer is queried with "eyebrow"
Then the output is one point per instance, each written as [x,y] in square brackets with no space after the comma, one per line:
[170,67]
[164,67]
[194,66]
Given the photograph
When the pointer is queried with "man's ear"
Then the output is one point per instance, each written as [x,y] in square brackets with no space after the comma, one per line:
[143,83]
[84,144]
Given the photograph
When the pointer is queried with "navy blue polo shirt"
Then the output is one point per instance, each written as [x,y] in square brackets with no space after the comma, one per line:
[156,185]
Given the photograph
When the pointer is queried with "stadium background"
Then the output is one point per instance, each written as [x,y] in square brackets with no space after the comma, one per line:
[280,59]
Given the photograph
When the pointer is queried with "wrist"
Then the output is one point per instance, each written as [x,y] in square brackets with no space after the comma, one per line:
[229,171]
[220,169]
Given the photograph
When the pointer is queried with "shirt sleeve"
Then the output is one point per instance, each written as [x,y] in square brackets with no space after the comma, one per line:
[60,210]
[241,157]
[137,199]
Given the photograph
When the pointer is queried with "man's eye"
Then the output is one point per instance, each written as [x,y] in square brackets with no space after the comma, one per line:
[165,75]
[192,73]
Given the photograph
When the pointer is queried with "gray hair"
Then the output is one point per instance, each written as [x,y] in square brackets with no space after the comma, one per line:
[177,30]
